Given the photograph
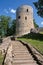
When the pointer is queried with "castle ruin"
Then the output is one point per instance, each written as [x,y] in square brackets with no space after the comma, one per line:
[24,20]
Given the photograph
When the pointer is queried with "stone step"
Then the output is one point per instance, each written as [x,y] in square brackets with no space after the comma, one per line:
[23,58]
[24,61]
[20,51]
[18,47]
[24,53]
[17,44]
[25,64]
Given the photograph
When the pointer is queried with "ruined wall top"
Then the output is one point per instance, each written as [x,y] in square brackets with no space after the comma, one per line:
[24,7]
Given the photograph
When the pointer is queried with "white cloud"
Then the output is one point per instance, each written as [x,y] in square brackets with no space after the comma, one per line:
[42,23]
[12,11]
[6,11]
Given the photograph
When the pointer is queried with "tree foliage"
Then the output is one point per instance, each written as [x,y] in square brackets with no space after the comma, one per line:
[35,25]
[39,7]
[5,28]
[4,23]
[12,29]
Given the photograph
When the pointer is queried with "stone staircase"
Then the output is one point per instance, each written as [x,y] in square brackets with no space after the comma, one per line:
[21,55]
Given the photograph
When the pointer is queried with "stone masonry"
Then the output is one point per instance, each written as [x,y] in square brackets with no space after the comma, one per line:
[24,20]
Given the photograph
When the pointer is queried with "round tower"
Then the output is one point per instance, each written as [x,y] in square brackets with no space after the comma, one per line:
[24,20]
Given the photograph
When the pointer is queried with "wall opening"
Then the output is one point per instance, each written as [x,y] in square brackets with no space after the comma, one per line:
[27,10]
[19,17]
[25,18]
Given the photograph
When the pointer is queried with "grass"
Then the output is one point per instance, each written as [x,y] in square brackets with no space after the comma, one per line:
[1,59]
[41,32]
[35,43]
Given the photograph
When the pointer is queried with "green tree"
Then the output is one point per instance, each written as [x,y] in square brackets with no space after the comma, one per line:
[12,29]
[39,7]
[4,23]
[35,25]
[0,29]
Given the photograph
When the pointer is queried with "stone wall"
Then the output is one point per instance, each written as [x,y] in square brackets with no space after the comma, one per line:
[24,17]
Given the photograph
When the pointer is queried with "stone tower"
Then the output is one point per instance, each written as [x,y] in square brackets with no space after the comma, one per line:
[24,20]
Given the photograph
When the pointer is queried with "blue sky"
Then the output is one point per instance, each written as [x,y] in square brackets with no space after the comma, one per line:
[8,7]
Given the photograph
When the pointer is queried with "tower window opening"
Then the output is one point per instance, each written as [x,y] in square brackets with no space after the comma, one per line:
[27,10]
[25,18]
[18,17]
